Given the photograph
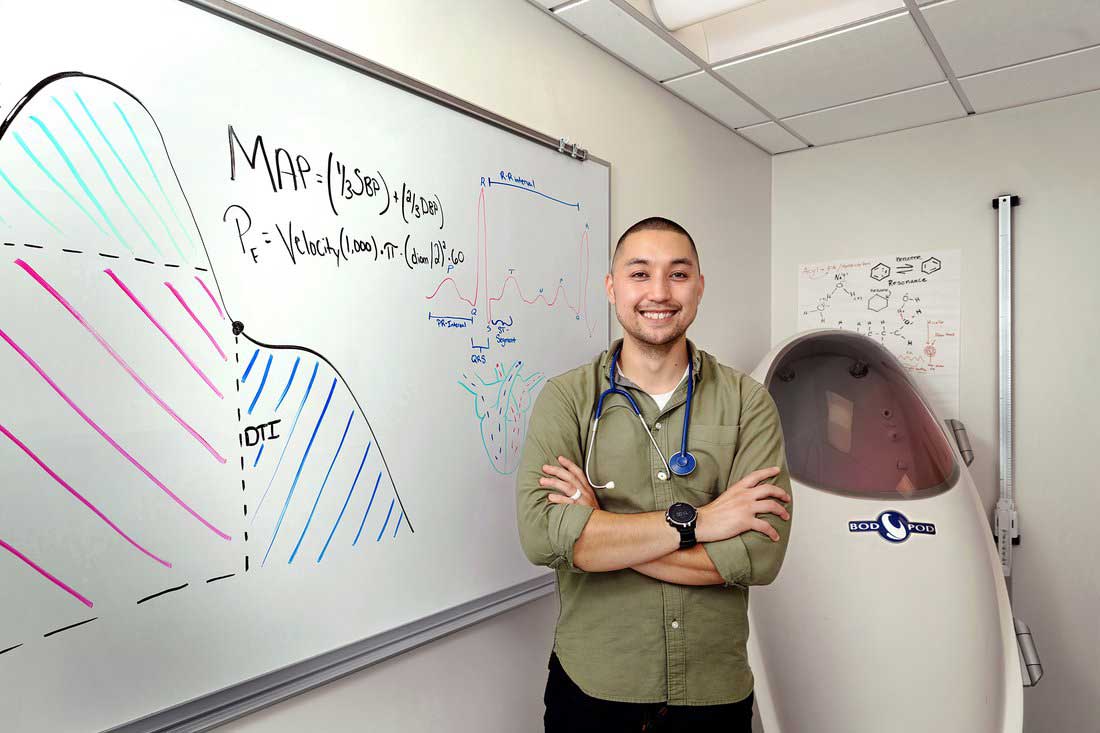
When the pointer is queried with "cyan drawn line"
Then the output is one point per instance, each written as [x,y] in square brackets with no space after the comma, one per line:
[293,371]
[57,183]
[321,490]
[259,453]
[346,500]
[369,505]
[80,497]
[298,473]
[129,175]
[156,178]
[388,514]
[212,298]
[119,360]
[399,520]
[80,180]
[248,369]
[286,443]
[186,307]
[263,381]
[539,193]
[103,170]
[27,201]
[141,306]
[103,434]
[46,574]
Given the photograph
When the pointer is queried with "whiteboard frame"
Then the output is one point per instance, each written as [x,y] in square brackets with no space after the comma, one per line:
[236,701]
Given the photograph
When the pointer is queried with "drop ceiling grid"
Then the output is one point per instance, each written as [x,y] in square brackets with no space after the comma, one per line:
[870,75]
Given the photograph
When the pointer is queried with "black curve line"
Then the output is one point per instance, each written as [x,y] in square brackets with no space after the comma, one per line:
[10,648]
[70,626]
[362,412]
[157,595]
[202,241]
[221,577]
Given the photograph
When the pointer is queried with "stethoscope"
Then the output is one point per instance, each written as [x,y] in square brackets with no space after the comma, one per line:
[682,463]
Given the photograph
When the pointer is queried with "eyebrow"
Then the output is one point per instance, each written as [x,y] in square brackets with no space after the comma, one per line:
[643,261]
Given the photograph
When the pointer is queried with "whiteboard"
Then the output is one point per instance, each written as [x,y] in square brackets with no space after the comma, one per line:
[270,331]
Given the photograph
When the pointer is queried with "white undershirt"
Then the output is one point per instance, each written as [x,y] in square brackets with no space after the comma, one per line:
[662,399]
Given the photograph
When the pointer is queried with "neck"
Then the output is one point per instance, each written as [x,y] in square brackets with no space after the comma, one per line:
[656,369]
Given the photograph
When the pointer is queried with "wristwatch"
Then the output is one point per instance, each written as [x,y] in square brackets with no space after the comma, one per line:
[682,517]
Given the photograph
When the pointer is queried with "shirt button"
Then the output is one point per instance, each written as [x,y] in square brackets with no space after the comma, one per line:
[675,624]
[662,475]
[657,426]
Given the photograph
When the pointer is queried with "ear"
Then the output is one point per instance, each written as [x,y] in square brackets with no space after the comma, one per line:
[607,283]
[702,285]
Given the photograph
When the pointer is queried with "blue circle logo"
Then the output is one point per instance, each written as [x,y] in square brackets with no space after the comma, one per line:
[893,526]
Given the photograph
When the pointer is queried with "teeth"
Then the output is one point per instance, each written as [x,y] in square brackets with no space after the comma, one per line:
[653,316]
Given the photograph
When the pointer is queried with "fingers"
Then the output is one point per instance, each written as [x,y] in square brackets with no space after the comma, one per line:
[564,487]
[757,476]
[559,499]
[574,469]
[764,491]
[764,528]
[772,507]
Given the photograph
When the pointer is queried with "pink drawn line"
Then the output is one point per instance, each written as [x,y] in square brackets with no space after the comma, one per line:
[121,362]
[160,328]
[212,298]
[80,498]
[195,319]
[46,574]
[103,434]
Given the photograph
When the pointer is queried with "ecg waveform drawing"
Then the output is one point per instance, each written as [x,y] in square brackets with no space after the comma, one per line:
[147,442]
[483,301]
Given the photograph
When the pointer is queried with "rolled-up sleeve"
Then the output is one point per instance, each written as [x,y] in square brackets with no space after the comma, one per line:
[751,558]
[547,532]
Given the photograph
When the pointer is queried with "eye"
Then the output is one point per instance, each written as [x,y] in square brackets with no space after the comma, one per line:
[680,275]
[639,275]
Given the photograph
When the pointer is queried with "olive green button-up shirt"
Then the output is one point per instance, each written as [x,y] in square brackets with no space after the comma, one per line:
[622,635]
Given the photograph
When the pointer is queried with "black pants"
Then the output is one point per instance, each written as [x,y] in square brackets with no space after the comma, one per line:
[570,710]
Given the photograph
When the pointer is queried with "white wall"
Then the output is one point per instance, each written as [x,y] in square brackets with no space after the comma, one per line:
[667,159]
[931,187]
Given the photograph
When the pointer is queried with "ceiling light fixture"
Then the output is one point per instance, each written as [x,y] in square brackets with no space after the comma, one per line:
[677,14]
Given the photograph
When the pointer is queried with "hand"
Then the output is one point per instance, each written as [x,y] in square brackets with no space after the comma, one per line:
[738,508]
[568,478]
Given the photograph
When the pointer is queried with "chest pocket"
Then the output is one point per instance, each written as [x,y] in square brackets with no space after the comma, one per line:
[713,447]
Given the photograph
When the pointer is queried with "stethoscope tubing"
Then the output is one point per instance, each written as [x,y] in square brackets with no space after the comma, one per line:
[682,464]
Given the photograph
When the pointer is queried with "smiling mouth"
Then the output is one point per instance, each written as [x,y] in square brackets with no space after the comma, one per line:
[657,315]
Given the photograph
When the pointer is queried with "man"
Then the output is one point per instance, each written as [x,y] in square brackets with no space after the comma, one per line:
[653,567]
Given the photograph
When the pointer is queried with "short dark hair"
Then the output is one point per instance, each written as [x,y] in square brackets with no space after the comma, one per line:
[655,224]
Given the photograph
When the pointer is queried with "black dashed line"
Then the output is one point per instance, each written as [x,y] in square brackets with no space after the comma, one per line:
[70,626]
[240,440]
[72,251]
[246,536]
[104,254]
[202,269]
[242,463]
[168,264]
[148,262]
[221,577]
[246,510]
[9,244]
[10,648]
[161,593]
[32,246]
[246,563]
[238,414]
[242,484]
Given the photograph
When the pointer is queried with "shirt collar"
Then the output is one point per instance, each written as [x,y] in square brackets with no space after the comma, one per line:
[605,363]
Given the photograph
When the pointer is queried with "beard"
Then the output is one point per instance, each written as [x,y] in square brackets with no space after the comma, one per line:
[651,340]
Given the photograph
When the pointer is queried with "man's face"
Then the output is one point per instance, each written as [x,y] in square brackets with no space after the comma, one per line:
[655,286]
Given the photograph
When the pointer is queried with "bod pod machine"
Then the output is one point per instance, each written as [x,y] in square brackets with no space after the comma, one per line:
[890,611]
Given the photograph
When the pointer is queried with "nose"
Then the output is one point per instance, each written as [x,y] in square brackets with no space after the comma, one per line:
[659,289]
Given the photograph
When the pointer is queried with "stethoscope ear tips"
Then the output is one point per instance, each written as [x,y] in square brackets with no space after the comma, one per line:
[682,464]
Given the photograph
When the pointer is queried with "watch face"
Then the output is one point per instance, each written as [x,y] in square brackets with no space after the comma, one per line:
[682,513]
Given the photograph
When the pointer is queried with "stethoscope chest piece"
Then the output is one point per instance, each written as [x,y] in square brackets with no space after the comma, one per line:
[682,463]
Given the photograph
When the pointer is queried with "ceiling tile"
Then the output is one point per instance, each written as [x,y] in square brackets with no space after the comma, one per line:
[934,103]
[715,98]
[622,35]
[1077,71]
[771,137]
[979,35]
[875,58]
